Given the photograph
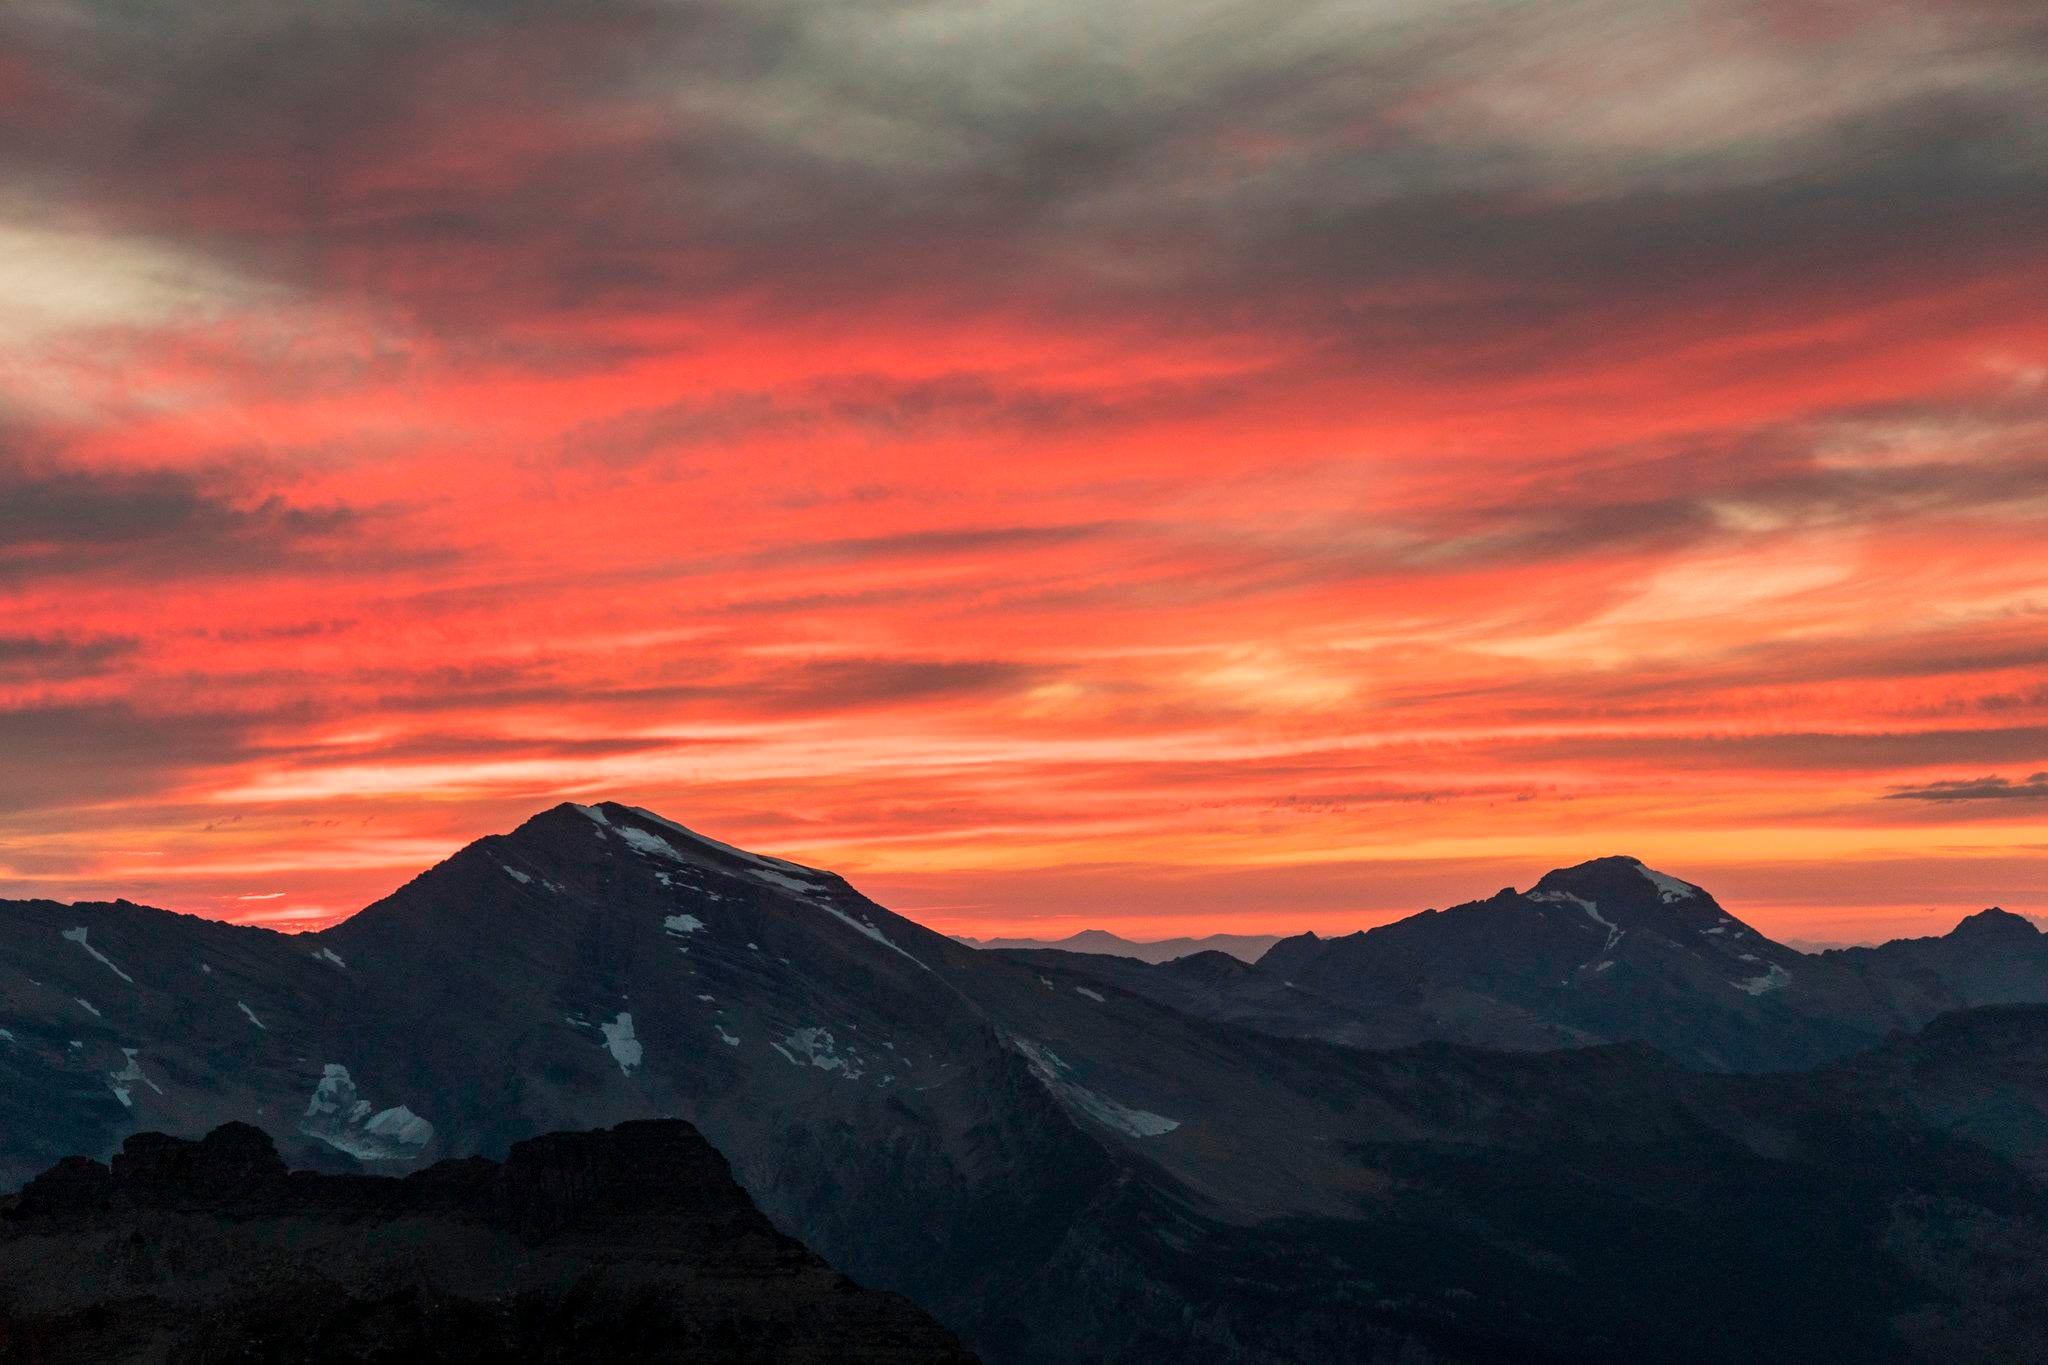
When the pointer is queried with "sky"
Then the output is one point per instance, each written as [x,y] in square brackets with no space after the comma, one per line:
[1172,467]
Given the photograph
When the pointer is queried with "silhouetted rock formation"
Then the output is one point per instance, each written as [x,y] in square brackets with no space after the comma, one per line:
[627,1244]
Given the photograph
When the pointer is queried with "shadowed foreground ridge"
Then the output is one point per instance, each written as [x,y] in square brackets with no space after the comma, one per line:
[629,1243]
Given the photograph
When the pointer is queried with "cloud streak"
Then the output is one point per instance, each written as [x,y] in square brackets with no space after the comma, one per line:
[2031,788]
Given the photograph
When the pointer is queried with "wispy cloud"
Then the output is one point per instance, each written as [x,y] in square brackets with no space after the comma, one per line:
[2031,788]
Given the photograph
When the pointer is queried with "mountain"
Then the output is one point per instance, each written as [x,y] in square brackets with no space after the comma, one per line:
[1248,947]
[934,1120]
[1613,951]
[631,1243]
[1059,1166]
[1994,957]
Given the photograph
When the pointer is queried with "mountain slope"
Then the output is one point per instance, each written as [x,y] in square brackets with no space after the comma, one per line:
[116,1016]
[600,963]
[1222,989]
[631,1243]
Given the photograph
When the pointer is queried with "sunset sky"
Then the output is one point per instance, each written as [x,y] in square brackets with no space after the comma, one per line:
[1172,467]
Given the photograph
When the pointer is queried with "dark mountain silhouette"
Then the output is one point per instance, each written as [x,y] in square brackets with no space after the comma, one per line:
[1061,1158]
[1608,951]
[1248,947]
[626,1244]
[1992,958]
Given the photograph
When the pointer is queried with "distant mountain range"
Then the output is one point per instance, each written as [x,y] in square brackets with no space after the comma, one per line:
[1246,947]
[1600,1120]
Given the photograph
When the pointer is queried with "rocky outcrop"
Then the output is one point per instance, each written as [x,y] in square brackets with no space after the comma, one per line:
[631,1243]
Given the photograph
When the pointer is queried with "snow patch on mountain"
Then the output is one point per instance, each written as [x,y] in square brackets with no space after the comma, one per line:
[330,957]
[1774,979]
[1614,931]
[1137,1123]
[776,872]
[340,1117]
[785,881]
[680,925]
[251,1015]
[515,874]
[79,936]
[815,1047]
[653,845]
[814,894]
[88,1006]
[869,930]
[335,1096]
[1669,888]
[620,1042]
[1092,995]
[402,1126]
[122,1082]
[758,859]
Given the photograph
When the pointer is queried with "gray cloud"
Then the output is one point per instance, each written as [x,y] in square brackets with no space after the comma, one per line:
[813,686]
[946,543]
[1857,467]
[53,757]
[1489,187]
[888,410]
[2030,788]
[62,519]
[1801,750]
[833,684]
[49,658]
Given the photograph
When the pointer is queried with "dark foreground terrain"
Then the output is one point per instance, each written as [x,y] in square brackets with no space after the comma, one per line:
[630,1244]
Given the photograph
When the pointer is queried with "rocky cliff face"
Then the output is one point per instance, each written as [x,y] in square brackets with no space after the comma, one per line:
[632,1243]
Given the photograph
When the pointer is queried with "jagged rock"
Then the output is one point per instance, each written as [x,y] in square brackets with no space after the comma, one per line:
[631,1243]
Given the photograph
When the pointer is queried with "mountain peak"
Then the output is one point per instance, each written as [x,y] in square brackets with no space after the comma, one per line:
[1620,878]
[1998,925]
[657,835]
